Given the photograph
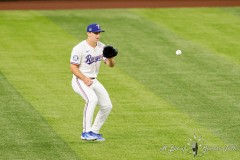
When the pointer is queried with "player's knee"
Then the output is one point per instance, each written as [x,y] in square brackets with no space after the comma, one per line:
[110,107]
[93,100]
[107,107]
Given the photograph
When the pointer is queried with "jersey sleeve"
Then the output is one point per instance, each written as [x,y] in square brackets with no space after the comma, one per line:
[75,56]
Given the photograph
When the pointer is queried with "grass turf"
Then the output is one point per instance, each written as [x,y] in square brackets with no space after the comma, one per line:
[25,134]
[160,99]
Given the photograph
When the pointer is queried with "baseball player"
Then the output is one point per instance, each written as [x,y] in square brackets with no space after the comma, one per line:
[85,62]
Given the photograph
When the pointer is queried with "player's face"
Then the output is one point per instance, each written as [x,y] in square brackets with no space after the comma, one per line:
[94,36]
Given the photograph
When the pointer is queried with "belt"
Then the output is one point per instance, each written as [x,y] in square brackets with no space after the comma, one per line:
[92,78]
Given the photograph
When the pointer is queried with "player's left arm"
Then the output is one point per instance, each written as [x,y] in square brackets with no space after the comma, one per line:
[110,62]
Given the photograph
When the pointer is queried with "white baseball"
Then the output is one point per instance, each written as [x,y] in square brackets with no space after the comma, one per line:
[178,52]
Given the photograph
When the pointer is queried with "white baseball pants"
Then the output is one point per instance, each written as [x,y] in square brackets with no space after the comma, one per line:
[93,95]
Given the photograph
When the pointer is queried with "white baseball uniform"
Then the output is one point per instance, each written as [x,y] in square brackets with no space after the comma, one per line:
[89,60]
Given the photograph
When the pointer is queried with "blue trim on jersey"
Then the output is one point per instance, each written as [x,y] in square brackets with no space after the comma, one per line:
[74,63]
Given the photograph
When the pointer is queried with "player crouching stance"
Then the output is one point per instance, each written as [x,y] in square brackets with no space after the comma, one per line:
[85,62]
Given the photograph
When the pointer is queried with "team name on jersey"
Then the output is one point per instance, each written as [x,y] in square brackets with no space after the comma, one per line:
[90,59]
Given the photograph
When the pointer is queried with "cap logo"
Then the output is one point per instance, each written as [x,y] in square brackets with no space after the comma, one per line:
[94,28]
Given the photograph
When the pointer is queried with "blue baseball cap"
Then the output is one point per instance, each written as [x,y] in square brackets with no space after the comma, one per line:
[94,28]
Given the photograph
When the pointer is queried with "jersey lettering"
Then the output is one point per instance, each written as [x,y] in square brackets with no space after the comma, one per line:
[90,59]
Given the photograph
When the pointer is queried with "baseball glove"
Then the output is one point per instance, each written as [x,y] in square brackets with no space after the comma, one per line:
[109,51]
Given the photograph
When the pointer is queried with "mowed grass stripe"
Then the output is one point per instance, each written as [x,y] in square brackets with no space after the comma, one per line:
[25,134]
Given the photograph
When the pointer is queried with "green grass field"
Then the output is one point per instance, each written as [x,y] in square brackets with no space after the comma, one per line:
[160,100]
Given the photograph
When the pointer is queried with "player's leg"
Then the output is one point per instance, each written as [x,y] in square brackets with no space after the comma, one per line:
[105,106]
[91,100]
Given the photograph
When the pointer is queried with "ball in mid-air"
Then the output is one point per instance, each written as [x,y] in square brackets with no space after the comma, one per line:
[178,52]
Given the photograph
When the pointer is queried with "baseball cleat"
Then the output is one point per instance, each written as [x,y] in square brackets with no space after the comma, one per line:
[99,136]
[89,136]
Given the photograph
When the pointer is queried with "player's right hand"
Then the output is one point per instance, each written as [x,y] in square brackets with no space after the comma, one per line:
[87,81]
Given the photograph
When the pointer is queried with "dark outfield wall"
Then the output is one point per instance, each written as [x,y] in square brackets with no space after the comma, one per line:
[122,0]
[92,4]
